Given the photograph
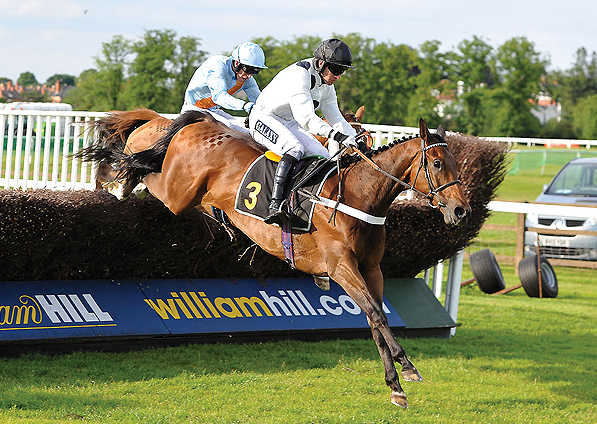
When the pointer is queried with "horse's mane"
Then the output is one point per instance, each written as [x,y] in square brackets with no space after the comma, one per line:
[187,118]
[348,160]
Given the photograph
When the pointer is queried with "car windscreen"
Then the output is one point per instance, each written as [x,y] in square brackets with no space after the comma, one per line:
[575,180]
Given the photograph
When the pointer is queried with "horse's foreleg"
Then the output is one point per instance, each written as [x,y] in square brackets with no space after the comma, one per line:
[363,292]
[374,281]
[398,397]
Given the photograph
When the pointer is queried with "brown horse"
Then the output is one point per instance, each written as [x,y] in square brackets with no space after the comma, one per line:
[199,163]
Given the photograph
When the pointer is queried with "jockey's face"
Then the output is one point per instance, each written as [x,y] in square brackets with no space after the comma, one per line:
[328,77]
[242,75]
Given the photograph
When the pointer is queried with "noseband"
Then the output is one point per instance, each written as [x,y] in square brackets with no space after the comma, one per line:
[423,164]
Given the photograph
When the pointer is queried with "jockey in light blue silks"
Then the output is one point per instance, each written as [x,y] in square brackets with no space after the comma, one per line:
[284,118]
[213,84]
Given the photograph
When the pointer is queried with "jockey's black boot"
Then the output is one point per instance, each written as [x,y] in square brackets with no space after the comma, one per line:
[275,214]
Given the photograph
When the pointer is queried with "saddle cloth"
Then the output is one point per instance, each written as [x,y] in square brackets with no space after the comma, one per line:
[255,191]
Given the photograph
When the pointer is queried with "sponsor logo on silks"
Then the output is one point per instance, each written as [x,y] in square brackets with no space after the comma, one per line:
[59,309]
[266,131]
[193,305]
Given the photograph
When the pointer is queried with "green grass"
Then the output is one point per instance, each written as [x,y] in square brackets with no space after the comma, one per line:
[514,359]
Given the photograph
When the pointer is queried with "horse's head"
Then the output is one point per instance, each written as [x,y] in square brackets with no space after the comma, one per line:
[437,175]
[355,120]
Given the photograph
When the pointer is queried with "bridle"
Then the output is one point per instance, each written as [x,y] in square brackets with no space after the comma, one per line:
[423,165]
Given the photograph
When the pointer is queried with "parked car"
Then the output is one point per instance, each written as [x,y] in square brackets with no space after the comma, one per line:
[574,184]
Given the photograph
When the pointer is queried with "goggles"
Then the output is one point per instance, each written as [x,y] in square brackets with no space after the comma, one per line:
[250,69]
[336,69]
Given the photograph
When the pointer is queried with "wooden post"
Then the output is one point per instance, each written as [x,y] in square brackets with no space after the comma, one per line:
[539,268]
[520,230]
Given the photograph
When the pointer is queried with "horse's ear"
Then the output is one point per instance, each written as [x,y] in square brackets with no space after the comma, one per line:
[441,132]
[360,113]
[423,130]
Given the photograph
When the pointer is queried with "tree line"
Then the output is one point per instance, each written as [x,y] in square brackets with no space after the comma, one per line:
[474,88]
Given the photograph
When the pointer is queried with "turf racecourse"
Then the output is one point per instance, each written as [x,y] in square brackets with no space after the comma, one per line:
[513,360]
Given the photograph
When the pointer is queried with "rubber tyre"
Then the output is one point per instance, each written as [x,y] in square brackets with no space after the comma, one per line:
[487,272]
[528,271]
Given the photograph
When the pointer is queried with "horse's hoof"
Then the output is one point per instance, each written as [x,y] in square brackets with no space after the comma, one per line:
[140,191]
[411,375]
[116,189]
[399,398]
[322,282]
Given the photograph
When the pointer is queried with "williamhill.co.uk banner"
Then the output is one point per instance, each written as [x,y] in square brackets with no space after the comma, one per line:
[70,309]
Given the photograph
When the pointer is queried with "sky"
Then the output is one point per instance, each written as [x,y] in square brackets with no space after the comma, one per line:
[48,37]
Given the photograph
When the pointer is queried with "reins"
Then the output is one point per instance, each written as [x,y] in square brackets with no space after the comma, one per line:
[423,164]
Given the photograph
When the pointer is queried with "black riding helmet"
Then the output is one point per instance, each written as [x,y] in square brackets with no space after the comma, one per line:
[333,51]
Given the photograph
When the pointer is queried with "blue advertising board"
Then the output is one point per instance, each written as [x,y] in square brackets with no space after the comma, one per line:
[100,308]
[51,309]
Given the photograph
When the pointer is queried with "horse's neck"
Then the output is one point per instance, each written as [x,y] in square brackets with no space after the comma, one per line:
[377,190]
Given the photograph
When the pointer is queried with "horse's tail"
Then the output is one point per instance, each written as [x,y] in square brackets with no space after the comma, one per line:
[138,165]
[112,132]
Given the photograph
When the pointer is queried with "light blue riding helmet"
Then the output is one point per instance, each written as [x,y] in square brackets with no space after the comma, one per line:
[250,54]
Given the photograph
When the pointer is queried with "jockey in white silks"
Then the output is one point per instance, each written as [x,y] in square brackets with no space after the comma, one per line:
[284,118]
[213,84]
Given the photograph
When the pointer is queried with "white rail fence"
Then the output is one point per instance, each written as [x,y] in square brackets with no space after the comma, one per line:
[37,147]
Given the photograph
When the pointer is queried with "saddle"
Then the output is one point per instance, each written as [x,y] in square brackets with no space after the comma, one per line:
[254,193]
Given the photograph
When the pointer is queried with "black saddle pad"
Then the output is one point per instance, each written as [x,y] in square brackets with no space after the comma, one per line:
[255,192]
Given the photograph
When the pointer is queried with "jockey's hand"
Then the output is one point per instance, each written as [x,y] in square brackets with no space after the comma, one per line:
[348,141]
[248,106]
[362,146]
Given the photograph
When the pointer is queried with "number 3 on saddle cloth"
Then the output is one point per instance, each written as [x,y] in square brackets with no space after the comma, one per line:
[255,192]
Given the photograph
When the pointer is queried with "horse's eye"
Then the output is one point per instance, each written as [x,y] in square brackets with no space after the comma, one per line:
[437,163]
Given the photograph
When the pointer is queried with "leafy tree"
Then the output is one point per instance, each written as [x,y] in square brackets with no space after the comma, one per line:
[433,68]
[351,85]
[152,72]
[554,128]
[63,78]
[33,96]
[581,79]
[585,117]
[473,64]
[519,68]
[493,90]
[83,96]
[473,69]
[110,78]
[279,55]
[27,79]
[273,60]
[574,84]
[186,60]
[386,82]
